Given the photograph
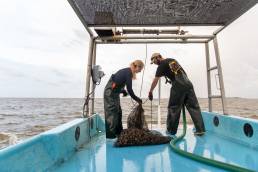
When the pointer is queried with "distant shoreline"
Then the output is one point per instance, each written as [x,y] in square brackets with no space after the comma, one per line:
[102,98]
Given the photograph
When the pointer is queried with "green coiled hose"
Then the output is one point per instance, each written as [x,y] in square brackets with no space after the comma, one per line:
[199,158]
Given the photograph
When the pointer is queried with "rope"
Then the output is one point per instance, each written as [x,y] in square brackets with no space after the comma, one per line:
[86,102]
[146,48]
[202,159]
[146,55]
[134,104]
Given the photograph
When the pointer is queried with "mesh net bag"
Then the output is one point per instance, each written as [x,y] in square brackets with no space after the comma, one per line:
[137,132]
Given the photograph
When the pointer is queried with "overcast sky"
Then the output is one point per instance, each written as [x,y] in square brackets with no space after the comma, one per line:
[44,47]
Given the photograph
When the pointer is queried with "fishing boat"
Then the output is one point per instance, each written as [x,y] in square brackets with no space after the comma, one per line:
[230,143]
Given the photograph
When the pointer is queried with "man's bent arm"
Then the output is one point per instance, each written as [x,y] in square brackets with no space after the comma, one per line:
[154,83]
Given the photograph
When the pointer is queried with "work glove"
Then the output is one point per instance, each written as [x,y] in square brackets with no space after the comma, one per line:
[150,96]
[124,92]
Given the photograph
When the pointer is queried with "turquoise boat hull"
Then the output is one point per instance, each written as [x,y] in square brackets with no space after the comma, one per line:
[81,145]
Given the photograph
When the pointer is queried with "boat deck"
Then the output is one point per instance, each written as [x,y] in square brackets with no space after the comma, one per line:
[99,155]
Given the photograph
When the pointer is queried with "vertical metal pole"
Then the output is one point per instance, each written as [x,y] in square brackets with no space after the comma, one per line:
[208,75]
[151,114]
[159,112]
[222,89]
[88,75]
[93,86]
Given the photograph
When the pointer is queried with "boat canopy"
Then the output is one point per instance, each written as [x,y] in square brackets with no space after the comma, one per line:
[160,12]
[102,19]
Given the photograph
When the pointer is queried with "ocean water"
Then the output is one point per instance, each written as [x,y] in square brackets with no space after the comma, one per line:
[21,118]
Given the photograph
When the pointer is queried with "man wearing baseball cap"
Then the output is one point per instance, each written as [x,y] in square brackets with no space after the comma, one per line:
[181,93]
[154,57]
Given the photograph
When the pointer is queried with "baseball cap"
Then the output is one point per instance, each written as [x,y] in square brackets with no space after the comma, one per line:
[154,56]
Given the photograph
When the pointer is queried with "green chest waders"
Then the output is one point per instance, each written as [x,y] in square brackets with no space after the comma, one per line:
[112,109]
[182,93]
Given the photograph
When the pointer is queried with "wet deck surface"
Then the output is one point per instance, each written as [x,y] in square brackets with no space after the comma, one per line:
[100,156]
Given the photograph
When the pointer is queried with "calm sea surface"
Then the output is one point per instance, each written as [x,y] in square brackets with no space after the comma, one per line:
[21,118]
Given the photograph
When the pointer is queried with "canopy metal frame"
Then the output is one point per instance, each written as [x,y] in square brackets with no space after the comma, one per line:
[160,39]
[175,39]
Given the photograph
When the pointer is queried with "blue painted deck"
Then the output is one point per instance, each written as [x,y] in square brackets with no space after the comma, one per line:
[101,156]
[58,150]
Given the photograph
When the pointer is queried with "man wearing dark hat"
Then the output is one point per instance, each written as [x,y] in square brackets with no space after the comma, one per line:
[181,93]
